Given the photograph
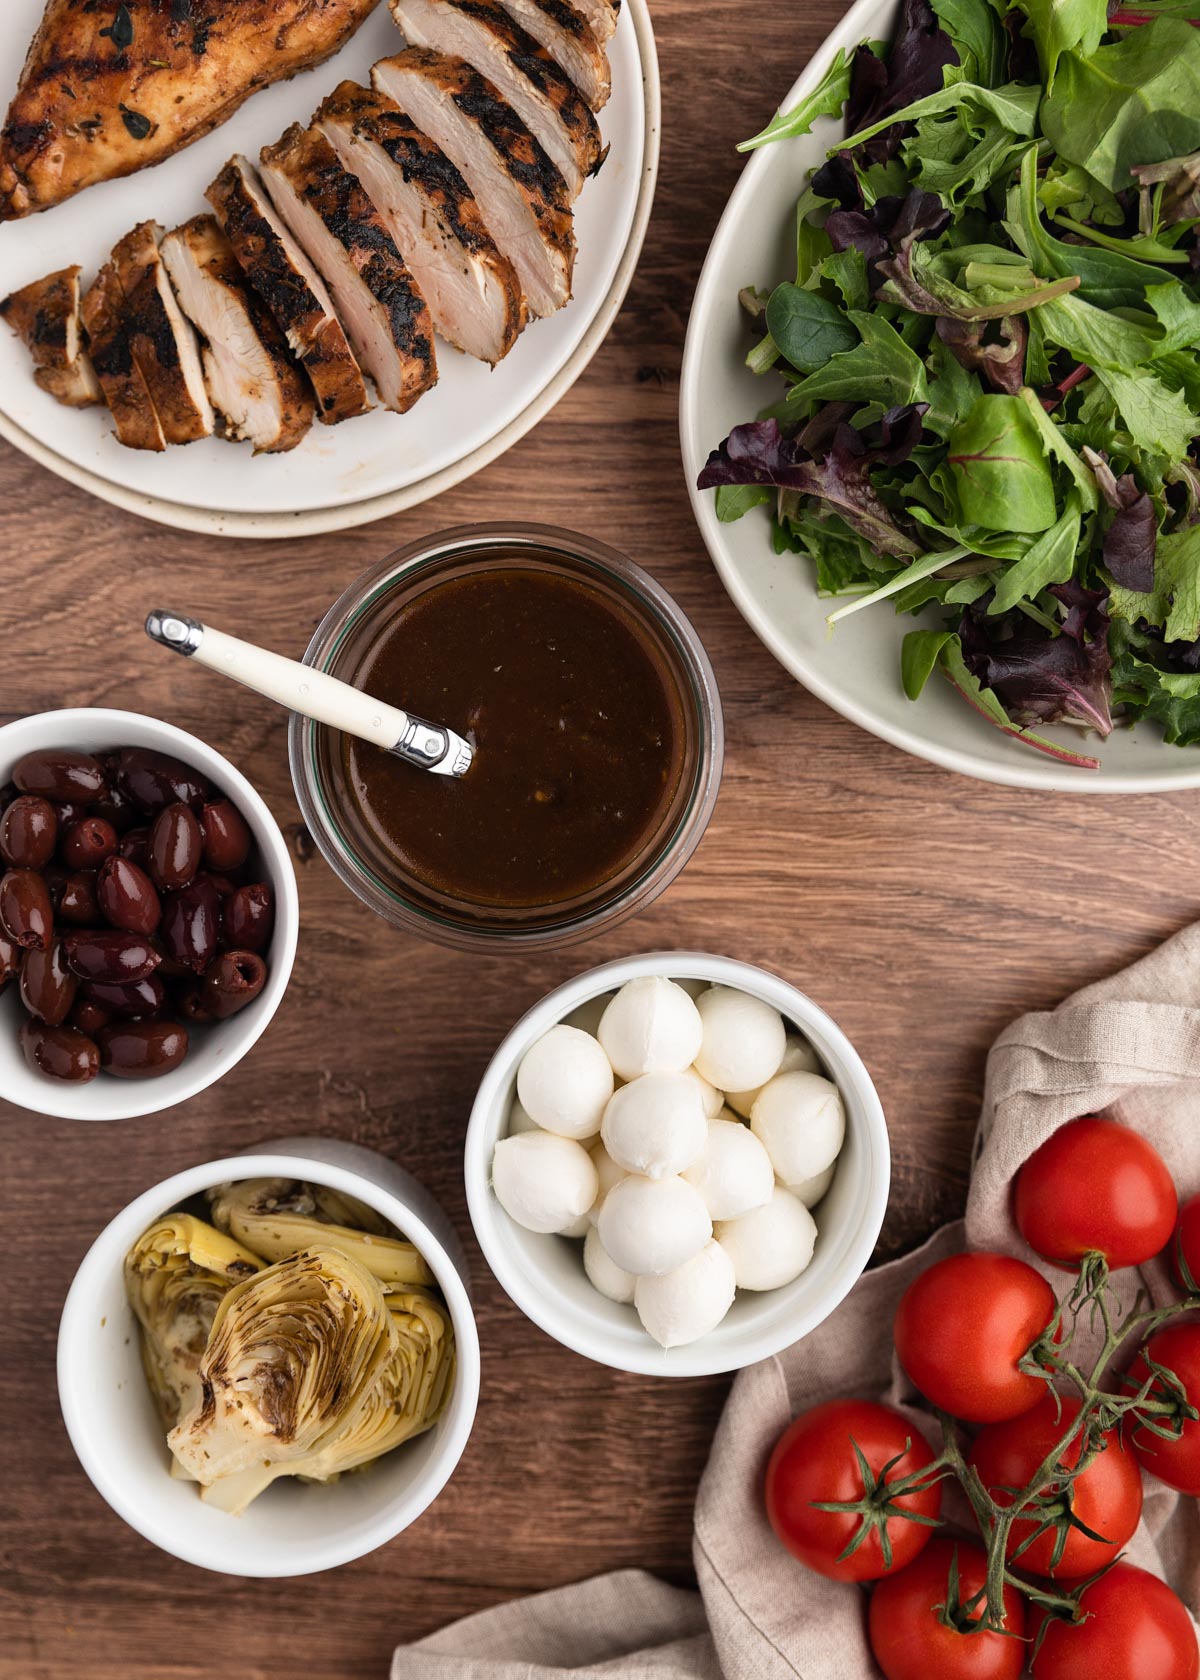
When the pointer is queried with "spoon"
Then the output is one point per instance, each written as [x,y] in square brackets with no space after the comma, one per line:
[314,694]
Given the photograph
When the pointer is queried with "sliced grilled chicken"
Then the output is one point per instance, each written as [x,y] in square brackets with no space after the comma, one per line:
[521,194]
[384,314]
[292,290]
[252,379]
[125,390]
[45,316]
[570,40]
[162,339]
[602,15]
[522,72]
[475,299]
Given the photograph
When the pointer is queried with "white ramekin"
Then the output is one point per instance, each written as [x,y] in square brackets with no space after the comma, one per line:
[544,1274]
[212,1050]
[293,1528]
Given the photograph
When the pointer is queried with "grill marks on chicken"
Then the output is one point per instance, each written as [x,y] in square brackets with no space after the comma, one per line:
[475,299]
[91,106]
[570,39]
[328,211]
[523,73]
[161,338]
[125,390]
[251,378]
[292,290]
[45,316]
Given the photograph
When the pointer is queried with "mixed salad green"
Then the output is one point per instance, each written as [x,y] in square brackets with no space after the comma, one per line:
[992,356]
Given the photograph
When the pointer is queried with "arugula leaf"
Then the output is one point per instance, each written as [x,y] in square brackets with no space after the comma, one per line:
[880,370]
[1060,26]
[807,328]
[1174,602]
[999,469]
[1049,559]
[826,100]
[1014,107]
[920,654]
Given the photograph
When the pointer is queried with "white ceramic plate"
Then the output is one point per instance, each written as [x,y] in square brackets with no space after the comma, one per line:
[349,474]
[857,670]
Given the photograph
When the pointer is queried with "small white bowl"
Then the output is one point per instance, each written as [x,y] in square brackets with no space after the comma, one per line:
[212,1050]
[293,1528]
[545,1275]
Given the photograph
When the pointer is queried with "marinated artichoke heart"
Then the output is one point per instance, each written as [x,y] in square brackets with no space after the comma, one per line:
[175,1277]
[277,1217]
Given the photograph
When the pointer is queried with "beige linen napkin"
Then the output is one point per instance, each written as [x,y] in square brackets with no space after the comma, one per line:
[1129,1046]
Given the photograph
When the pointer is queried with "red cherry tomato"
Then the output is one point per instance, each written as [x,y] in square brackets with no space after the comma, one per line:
[1134,1628]
[815,1460]
[963,1325]
[1107,1497]
[1185,1249]
[1177,1463]
[1095,1187]
[910,1639]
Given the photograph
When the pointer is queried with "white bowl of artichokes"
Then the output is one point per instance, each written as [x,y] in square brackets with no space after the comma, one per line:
[268,1365]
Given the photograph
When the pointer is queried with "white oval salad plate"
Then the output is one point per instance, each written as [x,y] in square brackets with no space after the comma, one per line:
[364,469]
[856,670]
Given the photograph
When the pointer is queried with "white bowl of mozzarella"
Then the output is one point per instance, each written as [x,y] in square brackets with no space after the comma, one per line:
[677,1164]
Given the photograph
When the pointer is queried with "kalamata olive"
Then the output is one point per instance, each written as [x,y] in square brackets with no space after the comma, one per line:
[233,981]
[77,899]
[138,1000]
[10,959]
[57,774]
[71,812]
[175,848]
[247,918]
[59,1052]
[152,780]
[225,887]
[87,843]
[226,836]
[88,1016]
[7,794]
[142,1049]
[47,984]
[26,914]
[135,845]
[190,1005]
[118,809]
[117,956]
[191,925]
[28,832]
[126,896]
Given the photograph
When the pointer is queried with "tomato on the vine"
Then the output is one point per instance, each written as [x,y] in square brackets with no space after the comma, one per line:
[816,1461]
[962,1327]
[1185,1248]
[1133,1628]
[1095,1187]
[1177,1462]
[917,1627]
[1106,1497]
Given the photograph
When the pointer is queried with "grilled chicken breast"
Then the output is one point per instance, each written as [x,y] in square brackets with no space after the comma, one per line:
[162,340]
[125,390]
[251,378]
[45,316]
[292,290]
[475,299]
[523,73]
[110,89]
[602,15]
[521,194]
[384,314]
[570,40]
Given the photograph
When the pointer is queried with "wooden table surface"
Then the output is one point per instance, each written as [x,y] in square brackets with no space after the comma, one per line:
[924,911]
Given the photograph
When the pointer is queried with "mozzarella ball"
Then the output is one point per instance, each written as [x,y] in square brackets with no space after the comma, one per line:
[542,1181]
[564,1082]
[799,1057]
[655,1125]
[652,1225]
[603,1272]
[587,1016]
[683,1305]
[772,1245]
[578,1228]
[713,1100]
[812,1190]
[743,1040]
[800,1121]
[651,1026]
[608,1173]
[734,1174]
[519,1121]
[693,988]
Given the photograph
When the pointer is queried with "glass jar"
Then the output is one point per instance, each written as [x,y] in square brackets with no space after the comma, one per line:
[351,629]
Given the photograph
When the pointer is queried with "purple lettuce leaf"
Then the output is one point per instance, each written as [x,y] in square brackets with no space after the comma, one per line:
[1129,543]
[997,353]
[1039,677]
[920,52]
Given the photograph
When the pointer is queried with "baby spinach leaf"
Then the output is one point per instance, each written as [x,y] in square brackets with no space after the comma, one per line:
[880,369]
[999,469]
[807,328]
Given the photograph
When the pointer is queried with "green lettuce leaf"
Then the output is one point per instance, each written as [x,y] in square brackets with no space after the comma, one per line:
[999,469]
